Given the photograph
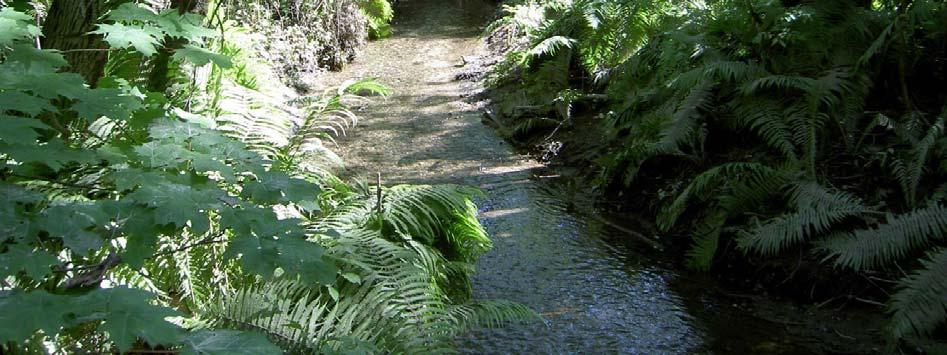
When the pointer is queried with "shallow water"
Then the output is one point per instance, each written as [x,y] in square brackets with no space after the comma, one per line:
[593,296]
[597,292]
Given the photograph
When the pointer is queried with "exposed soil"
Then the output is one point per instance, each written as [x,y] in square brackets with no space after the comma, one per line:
[599,287]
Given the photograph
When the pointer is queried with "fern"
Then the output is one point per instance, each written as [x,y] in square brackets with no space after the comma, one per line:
[919,306]
[909,173]
[890,241]
[703,185]
[551,46]
[684,128]
[379,13]
[424,212]
[383,309]
[393,305]
[688,80]
[767,119]
[706,238]
[817,210]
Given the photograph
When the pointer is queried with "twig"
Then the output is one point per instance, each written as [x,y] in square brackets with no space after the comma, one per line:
[871,302]
[843,335]
[90,50]
[794,270]
[378,195]
[627,231]
[823,303]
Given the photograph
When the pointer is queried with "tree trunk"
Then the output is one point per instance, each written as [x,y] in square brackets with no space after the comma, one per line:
[67,28]
[158,79]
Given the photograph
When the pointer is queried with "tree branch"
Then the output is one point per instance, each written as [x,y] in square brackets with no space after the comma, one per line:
[95,273]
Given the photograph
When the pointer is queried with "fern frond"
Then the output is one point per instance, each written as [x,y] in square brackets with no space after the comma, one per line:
[684,129]
[490,314]
[551,46]
[706,238]
[817,210]
[394,306]
[889,241]
[703,184]
[364,87]
[909,174]
[766,119]
[733,71]
[919,306]
[783,82]
[424,211]
[467,234]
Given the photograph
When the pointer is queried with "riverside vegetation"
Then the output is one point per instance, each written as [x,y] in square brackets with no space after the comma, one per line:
[783,134]
[161,193]
[164,193]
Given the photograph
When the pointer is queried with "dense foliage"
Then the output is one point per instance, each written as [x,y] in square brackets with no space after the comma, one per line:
[771,127]
[202,216]
[305,36]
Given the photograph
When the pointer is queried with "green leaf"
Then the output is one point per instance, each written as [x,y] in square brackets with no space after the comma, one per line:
[129,12]
[305,258]
[18,258]
[257,255]
[14,222]
[169,22]
[250,221]
[179,204]
[227,342]
[274,187]
[29,312]
[117,104]
[19,130]
[295,256]
[200,56]
[129,315]
[16,193]
[53,154]
[138,225]
[143,39]
[158,155]
[112,154]
[40,80]
[11,14]
[11,101]
[36,60]
[353,278]
[75,224]
[187,26]
[174,131]
[16,26]
[128,179]
[207,163]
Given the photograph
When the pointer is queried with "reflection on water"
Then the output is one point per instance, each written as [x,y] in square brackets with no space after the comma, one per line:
[594,296]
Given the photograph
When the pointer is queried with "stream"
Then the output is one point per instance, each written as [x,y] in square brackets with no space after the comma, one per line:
[597,290]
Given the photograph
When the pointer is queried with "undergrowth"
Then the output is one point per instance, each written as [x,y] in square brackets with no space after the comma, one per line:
[768,127]
[206,219]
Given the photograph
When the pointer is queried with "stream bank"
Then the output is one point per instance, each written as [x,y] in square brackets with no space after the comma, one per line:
[598,288]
